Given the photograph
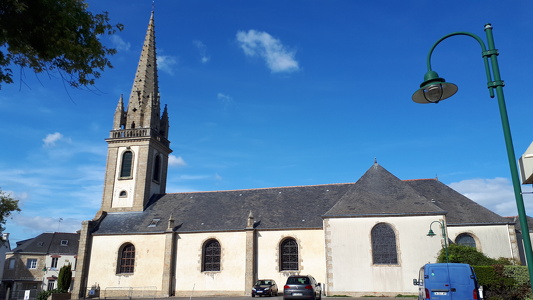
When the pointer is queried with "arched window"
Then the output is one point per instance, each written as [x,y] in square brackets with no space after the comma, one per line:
[466,240]
[157,168]
[127,259]
[127,164]
[123,194]
[384,245]
[288,251]
[211,256]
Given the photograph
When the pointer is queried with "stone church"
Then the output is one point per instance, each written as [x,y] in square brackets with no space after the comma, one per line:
[356,239]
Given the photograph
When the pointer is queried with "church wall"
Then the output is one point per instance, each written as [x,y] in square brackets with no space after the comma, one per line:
[349,258]
[127,185]
[191,280]
[493,240]
[310,253]
[148,269]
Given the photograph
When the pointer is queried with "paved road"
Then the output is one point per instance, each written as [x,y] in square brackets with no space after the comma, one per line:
[280,298]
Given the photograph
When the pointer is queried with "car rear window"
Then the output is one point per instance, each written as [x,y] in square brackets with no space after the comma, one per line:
[298,280]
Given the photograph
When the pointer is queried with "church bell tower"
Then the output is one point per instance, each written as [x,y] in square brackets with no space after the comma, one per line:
[138,146]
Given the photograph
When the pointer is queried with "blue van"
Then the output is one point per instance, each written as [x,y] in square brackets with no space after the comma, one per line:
[447,282]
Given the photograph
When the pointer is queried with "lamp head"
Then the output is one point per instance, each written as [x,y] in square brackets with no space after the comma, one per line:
[434,89]
[431,233]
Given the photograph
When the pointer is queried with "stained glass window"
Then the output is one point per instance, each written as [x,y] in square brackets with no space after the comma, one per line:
[127,160]
[211,256]
[384,245]
[466,240]
[127,259]
[289,255]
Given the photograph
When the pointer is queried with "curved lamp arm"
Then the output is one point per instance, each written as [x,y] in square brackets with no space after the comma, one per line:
[441,89]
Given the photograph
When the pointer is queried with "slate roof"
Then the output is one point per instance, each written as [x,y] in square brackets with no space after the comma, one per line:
[49,243]
[272,208]
[379,193]
[461,210]
[376,193]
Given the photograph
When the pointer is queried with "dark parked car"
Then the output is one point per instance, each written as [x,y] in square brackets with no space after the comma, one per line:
[265,287]
[302,287]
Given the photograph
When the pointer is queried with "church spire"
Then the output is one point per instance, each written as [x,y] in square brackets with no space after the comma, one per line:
[143,104]
[138,146]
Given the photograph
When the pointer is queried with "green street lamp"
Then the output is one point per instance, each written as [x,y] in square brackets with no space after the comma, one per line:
[443,228]
[435,89]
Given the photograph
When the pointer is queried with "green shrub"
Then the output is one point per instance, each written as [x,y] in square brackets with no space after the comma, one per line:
[43,295]
[64,278]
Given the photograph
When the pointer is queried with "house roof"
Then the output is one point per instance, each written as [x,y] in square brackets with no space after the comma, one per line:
[376,193]
[50,243]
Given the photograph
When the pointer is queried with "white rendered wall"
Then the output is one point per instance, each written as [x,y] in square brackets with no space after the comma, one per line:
[349,255]
[127,185]
[149,258]
[230,280]
[310,253]
[494,240]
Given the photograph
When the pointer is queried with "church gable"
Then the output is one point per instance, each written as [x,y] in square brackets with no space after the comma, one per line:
[378,192]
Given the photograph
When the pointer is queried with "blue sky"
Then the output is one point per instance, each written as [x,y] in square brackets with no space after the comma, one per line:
[279,93]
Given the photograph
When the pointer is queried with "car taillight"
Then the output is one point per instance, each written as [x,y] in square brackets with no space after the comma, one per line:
[308,287]
[427,294]
[286,287]
[474,294]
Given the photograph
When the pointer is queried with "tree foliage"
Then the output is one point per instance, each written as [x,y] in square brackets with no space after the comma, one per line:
[54,36]
[8,205]
[64,278]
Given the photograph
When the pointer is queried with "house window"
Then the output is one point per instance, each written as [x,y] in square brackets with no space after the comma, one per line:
[466,240]
[289,255]
[211,256]
[64,242]
[54,262]
[123,194]
[384,245]
[11,263]
[157,168]
[51,284]
[127,163]
[31,263]
[127,259]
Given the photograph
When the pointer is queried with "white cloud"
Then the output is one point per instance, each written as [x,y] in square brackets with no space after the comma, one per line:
[51,139]
[177,161]
[166,63]
[277,57]
[204,57]
[119,43]
[495,194]
[37,224]
[224,98]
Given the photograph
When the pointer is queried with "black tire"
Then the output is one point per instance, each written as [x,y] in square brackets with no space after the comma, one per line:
[253,295]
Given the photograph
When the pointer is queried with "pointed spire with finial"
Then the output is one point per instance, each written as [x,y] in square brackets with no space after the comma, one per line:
[143,105]
[119,119]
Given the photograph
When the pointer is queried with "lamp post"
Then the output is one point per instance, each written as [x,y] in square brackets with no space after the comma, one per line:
[431,233]
[435,89]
